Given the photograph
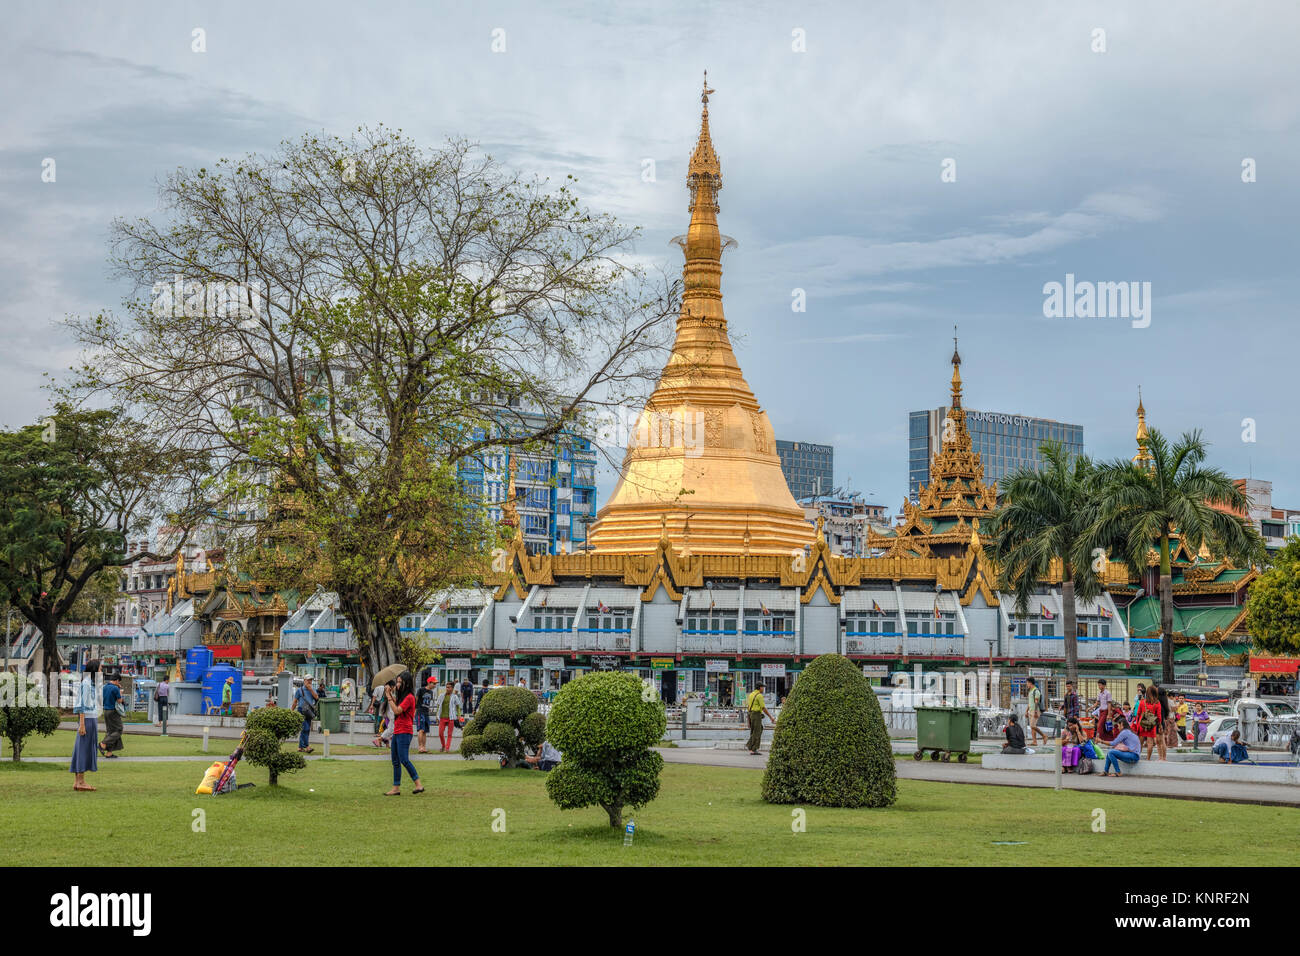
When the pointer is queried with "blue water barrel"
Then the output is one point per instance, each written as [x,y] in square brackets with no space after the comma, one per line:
[214,679]
[197,662]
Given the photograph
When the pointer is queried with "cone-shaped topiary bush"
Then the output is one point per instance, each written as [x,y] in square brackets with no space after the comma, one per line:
[830,747]
[604,723]
[504,715]
[266,729]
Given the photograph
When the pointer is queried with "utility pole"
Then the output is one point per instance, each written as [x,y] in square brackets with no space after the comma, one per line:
[9,613]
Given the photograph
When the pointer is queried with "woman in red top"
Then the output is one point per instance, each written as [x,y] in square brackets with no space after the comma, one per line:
[403,702]
[1150,706]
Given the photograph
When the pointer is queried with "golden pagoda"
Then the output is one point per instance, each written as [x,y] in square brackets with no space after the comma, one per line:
[703,448]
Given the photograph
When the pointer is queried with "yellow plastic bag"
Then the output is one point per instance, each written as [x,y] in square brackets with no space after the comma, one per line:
[211,777]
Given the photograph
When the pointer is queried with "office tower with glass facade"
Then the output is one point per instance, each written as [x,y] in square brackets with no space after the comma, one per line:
[809,469]
[555,485]
[1005,442]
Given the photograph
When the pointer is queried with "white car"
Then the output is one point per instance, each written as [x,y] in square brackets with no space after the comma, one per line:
[1220,726]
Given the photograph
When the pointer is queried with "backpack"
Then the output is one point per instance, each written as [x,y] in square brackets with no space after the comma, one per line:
[1148,719]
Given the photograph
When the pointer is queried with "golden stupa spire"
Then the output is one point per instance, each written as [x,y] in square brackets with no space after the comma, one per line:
[1143,458]
[957,434]
[702,433]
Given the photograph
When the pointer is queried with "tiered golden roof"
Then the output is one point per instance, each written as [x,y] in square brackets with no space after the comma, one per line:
[952,506]
[703,449]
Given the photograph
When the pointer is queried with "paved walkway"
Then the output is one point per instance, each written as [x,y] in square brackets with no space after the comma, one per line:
[1218,791]
[1222,791]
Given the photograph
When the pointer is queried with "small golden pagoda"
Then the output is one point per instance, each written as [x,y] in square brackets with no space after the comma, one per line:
[703,449]
[1143,458]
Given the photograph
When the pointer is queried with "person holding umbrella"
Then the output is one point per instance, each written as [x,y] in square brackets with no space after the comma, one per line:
[401,699]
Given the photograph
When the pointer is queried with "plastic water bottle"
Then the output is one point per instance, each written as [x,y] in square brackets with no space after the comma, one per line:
[628,831]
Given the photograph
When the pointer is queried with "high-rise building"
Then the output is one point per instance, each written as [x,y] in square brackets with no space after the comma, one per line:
[1005,442]
[809,469]
[555,486]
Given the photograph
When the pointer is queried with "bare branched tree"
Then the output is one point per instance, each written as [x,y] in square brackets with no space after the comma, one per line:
[348,324]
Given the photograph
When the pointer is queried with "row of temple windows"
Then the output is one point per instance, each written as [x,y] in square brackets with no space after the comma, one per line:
[857,623]
[561,619]
[918,623]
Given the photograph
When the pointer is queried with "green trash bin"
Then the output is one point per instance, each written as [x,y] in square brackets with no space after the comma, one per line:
[329,713]
[945,731]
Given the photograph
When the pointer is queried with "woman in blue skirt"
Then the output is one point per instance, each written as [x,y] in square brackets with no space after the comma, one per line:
[85,755]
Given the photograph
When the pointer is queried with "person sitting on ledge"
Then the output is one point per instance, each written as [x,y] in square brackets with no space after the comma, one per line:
[1125,748]
[1231,750]
[1015,737]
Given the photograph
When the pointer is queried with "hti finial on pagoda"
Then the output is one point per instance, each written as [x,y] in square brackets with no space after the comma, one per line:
[704,174]
[956,374]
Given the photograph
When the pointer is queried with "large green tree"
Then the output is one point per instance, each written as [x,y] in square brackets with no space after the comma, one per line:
[1274,615]
[1043,526]
[1178,494]
[364,323]
[74,489]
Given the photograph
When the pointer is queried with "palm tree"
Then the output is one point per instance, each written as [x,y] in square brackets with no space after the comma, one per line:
[1045,519]
[1174,494]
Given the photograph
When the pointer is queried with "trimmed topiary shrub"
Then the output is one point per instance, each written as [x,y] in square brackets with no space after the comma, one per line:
[830,747]
[505,714]
[604,725]
[23,712]
[266,729]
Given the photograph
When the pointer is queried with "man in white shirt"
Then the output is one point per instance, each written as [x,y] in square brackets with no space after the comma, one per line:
[546,758]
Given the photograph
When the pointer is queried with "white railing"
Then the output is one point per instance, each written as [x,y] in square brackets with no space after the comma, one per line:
[528,640]
[709,643]
[453,640]
[767,643]
[596,640]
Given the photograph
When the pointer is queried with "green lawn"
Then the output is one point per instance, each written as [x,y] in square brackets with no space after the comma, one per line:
[59,744]
[333,813]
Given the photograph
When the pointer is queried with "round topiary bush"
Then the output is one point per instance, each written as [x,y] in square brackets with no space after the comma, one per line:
[604,724]
[504,715]
[23,711]
[265,729]
[830,747]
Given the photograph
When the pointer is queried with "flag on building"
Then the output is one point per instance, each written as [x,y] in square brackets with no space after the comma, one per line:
[766,612]
[1046,614]
[444,605]
[600,606]
[542,603]
[1104,612]
[876,608]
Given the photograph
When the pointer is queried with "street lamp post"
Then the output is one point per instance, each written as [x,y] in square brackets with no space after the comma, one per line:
[990,641]
[1202,678]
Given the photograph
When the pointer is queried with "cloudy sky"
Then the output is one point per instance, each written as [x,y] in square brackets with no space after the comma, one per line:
[1122,165]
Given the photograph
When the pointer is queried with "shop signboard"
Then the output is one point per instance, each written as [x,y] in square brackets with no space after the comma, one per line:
[605,662]
[716,666]
[772,670]
[501,663]
[875,670]
[662,663]
[553,663]
[456,663]
[1274,665]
